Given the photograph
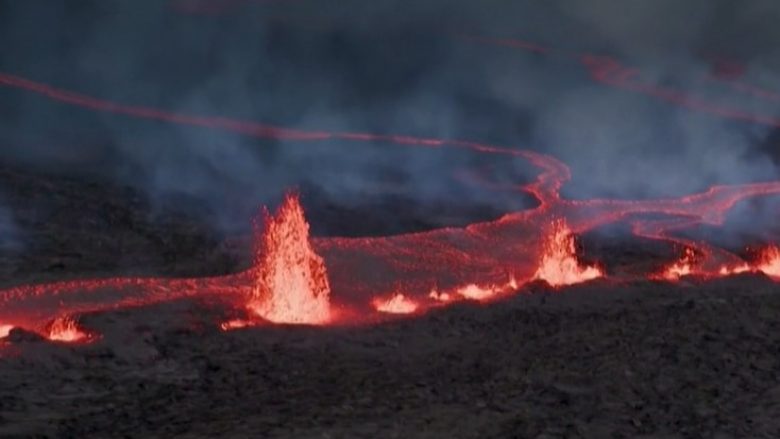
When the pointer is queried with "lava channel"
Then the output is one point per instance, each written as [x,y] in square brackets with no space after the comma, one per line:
[299,279]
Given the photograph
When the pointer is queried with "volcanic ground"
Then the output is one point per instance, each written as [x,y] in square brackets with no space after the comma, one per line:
[606,358]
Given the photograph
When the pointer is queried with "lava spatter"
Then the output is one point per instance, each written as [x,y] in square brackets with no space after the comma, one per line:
[291,284]
[684,266]
[397,304]
[559,265]
[5,330]
[65,329]
[769,262]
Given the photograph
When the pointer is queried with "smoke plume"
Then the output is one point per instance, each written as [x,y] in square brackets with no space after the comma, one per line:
[391,67]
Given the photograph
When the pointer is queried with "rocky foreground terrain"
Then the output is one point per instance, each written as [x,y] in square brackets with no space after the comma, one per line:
[605,359]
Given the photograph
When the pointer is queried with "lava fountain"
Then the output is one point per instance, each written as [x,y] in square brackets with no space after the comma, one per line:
[684,266]
[769,262]
[291,284]
[559,265]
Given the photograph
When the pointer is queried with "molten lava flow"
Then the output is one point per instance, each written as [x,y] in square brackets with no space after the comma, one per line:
[292,283]
[289,283]
[559,265]
[64,329]
[397,304]
[610,71]
[769,262]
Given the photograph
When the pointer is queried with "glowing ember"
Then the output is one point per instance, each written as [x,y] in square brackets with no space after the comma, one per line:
[5,330]
[769,262]
[683,267]
[559,265]
[473,291]
[292,283]
[476,292]
[65,329]
[235,324]
[741,268]
[398,304]
[439,297]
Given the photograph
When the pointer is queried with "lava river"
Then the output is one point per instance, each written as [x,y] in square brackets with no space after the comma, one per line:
[298,279]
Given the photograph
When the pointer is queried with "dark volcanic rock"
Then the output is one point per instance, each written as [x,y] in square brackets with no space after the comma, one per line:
[644,360]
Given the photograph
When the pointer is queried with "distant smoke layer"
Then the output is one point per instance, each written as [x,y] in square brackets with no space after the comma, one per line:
[388,67]
[9,233]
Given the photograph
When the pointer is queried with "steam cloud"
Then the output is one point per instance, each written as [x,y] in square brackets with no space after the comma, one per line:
[386,67]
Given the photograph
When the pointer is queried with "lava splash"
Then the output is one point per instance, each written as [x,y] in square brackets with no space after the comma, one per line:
[559,265]
[769,262]
[292,282]
[65,329]
[5,330]
[397,304]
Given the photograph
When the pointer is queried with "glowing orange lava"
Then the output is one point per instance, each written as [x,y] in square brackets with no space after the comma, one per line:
[64,329]
[736,269]
[292,283]
[473,291]
[5,330]
[476,292]
[769,262]
[235,324]
[440,296]
[559,265]
[683,266]
[398,304]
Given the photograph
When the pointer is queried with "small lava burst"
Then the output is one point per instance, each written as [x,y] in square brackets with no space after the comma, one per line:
[398,304]
[292,283]
[476,292]
[684,266]
[235,324]
[559,265]
[769,262]
[66,330]
[5,330]
[738,269]
[440,296]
